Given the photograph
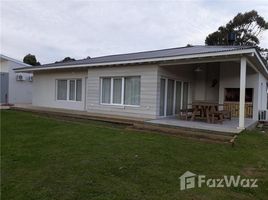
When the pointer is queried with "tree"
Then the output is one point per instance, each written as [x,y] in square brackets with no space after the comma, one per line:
[246,28]
[66,59]
[31,60]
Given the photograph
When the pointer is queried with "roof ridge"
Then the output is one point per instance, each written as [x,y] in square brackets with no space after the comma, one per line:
[120,54]
[236,47]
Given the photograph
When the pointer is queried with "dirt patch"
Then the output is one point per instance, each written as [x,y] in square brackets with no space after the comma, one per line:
[254,172]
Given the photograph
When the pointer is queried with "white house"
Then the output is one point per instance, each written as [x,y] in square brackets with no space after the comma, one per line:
[156,84]
[15,88]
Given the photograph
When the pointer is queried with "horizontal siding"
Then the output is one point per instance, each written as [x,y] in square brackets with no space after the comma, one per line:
[44,89]
[147,108]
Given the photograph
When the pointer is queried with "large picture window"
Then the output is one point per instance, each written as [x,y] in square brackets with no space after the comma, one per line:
[69,89]
[120,90]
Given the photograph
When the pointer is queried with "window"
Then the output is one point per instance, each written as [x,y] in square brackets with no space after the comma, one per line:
[120,90]
[72,90]
[117,90]
[233,94]
[62,90]
[132,91]
[106,90]
[78,90]
[69,90]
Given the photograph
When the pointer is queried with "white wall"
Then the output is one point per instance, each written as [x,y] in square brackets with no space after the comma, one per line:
[18,91]
[230,78]
[147,108]
[44,89]
[262,103]
[203,89]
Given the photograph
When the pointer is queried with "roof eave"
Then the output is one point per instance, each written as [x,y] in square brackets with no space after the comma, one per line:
[14,60]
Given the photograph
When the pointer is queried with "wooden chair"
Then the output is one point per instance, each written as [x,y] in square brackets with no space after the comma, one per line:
[216,116]
[227,114]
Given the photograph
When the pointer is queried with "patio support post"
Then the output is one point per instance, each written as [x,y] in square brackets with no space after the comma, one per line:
[243,68]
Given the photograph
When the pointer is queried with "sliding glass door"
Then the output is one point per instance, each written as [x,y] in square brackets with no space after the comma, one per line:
[170,97]
[178,97]
[173,96]
[162,96]
[185,95]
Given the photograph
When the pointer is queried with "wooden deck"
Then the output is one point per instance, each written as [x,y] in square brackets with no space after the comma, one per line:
[198,130]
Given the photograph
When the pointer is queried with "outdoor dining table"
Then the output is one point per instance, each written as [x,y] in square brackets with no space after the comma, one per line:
[205,108]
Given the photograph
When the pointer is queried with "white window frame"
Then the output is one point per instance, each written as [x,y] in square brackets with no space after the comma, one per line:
[174,98]
[68,89]
[122,91]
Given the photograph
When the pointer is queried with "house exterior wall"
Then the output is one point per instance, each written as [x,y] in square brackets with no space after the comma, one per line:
[228,74]
[18,91]
[262,101]
[147,107]
[230,78]
[203,89]
[44,89]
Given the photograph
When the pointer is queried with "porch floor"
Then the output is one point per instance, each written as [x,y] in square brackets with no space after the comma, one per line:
[228,126]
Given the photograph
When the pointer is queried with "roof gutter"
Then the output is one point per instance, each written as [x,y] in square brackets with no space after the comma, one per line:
[261,61]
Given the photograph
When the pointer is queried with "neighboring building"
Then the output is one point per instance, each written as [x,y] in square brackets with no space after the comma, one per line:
[156,84]
[15,87]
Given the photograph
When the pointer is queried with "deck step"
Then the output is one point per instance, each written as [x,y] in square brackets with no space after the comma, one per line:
[201,135]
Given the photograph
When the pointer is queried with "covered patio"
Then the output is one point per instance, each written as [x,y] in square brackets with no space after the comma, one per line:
[231,83]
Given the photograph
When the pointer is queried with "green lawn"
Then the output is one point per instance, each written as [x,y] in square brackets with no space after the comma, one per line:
[45,158]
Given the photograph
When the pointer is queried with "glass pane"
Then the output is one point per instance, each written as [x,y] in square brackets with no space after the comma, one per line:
[72,90]
[78,90]
[162,96]
[62,89]
[170,97]
[106,90]
[178,97]
[117,91]
[185,95]
[267,95]
[132,91]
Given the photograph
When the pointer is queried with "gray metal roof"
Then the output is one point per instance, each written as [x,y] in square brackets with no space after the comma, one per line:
[164,53]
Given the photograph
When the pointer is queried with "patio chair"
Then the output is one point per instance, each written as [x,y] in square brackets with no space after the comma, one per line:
[216,116]
[226,113]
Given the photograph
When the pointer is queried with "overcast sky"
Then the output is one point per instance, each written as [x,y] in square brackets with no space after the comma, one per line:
[52,30]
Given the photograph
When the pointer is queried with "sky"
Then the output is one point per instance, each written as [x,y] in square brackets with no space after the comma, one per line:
[52,30]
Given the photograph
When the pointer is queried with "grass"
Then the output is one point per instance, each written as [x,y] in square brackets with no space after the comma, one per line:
[45,158]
